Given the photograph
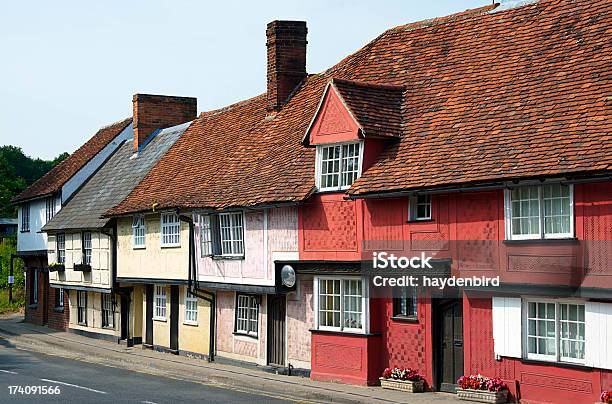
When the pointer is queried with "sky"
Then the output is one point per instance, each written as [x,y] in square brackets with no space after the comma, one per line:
[68,68]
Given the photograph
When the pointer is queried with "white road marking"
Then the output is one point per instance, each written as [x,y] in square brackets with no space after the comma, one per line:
[9,372]
[148,402]
[74,385]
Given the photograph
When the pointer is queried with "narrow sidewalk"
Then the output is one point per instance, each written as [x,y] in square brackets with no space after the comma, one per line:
[248,379]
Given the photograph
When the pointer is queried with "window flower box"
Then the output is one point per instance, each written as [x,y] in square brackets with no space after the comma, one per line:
[482,396]
[482,389]
[56,266]
[82,267]
[401,379]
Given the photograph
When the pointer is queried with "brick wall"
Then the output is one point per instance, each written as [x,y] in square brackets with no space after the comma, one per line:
[160,111]
[286,43]
[36,313]
[58,318]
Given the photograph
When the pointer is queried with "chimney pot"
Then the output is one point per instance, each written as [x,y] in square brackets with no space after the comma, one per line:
[286,43]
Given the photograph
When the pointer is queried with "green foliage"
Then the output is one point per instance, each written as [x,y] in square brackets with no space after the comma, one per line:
[17,172]
[8,247]
[16,305]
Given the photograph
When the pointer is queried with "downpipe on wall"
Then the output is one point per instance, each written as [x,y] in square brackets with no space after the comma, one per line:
[195,291]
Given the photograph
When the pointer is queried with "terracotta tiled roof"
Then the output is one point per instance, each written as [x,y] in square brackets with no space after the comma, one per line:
[512,94]
[53,180]
[377,107]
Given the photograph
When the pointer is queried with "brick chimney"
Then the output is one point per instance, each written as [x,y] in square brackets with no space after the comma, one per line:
[286,43]
[160,111]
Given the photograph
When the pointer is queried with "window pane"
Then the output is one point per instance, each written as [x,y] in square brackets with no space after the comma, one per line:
[329,303]
[557,211]
[525,214]
[541,328]
[572,331]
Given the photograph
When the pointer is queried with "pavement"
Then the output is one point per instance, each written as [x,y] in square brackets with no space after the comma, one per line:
[38,356]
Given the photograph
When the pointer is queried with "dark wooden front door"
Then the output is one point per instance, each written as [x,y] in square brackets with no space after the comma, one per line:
[449,343]
[149,314]
[125,315]
[276,330]
[174,317]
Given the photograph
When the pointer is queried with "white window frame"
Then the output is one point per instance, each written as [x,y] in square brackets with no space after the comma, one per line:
[161,295]
[25,217]
[107,310]
[206,243]
[319,165]
[233,241]
[86,245]
[60,247]
[34,291]
[365,309]
[413,207]
[82,307]
[138,232]
[189,311]
[250,299]
[542,235]
[60,298]
[169,226]
[50,205]
[556,358]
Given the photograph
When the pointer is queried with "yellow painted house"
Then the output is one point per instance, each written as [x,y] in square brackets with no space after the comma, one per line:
[153,264]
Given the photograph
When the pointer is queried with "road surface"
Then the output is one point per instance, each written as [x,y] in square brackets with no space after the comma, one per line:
[24,376]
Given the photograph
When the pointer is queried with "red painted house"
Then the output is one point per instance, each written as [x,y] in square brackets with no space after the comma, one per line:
[500,167]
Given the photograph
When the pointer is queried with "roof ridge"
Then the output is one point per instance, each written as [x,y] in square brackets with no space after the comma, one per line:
[430,22]
[369,84]
[114,123]
[229,107]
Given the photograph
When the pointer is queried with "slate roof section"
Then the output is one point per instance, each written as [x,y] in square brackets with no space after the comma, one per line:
[53,180]
[376,107]
[508,95]
[113,182]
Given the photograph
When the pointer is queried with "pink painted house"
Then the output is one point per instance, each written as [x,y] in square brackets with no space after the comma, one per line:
[257,318]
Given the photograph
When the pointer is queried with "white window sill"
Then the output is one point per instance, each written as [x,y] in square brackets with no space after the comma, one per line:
[330,190]
[161,319]
[170,245]
[191,323]
[139,247]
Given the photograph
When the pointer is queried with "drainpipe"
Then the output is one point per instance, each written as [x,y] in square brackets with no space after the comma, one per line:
[194,290]
[112,235]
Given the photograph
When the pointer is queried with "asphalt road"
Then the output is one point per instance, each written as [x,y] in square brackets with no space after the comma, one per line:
[81,382]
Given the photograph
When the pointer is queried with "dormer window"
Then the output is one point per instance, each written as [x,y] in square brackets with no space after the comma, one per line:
[338,165]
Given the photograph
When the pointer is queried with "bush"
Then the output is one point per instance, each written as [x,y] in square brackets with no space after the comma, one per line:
[8,247]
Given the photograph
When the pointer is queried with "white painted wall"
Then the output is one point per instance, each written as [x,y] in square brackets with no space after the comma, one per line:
[101,256]
[33,240]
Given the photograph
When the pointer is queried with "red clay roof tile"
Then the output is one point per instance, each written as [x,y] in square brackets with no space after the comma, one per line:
[53,180]
[513,94]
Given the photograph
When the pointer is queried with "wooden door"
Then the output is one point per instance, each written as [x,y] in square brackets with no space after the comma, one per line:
[125,315]
[276,330]
[149,314]
[174,317]
[449,346]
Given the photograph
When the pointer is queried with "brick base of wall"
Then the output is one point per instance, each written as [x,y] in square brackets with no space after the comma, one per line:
[36,310]
[58,317]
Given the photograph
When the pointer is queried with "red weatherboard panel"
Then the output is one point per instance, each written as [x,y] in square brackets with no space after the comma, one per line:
[540,382]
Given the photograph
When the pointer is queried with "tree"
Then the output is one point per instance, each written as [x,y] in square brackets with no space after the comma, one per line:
[17,172]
